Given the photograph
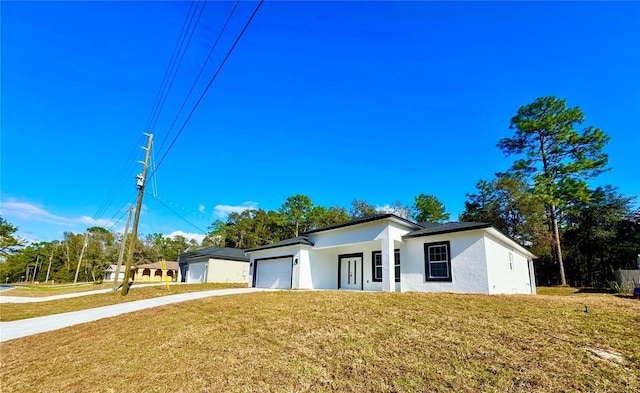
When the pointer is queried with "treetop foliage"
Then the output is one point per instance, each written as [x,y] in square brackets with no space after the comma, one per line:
[9,243]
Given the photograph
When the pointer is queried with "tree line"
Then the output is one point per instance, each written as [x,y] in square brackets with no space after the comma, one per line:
[543,201]
[88,254]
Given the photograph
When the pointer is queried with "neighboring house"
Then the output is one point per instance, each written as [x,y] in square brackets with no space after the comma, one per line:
[389,253]
[213,264]
[110,273]
[152,272]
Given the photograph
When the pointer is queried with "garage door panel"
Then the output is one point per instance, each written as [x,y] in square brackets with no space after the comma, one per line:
[197,273]
[274,273]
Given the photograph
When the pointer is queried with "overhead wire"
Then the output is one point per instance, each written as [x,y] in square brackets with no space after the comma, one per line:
[197,78]
[119,182]
[172,61]
[176,213]
[177,68]
[195,106]
[168,79]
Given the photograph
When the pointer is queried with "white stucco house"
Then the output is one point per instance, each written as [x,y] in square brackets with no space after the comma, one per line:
[389,253]
[214,264]
[109,274]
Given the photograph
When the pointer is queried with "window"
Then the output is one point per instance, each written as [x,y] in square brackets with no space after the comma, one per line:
[437,261]
[376,258]
[510,261]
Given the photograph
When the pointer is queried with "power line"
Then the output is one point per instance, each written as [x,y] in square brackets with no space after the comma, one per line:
[177,68]
[176,213]
[195,82]
[179,51]
[118,184]
[172,61]
[209,85]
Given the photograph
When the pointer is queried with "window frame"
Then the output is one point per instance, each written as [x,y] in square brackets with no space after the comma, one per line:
[427,262]
[396,263]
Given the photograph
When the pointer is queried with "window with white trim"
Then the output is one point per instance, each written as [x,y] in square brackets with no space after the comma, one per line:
[437,261]
[376,258]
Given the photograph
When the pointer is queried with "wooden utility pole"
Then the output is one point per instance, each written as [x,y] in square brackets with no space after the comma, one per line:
[122,247]
[141,180]
[84,246]
[35,269]
[49,268]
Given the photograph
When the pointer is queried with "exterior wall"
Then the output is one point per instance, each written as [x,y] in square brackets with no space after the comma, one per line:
[468,264]
[109,276]
[323,269]
[222,270]
[302,272]
[349,235]
[508,268]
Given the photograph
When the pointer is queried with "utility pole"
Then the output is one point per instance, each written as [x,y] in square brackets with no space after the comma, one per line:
[141,180]
[84,246]
[35,269]
[49,269]
[122,247]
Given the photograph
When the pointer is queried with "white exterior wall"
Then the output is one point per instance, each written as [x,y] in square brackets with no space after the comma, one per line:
[222,270]
[505,275]
[302,272]
[468,264]
[323,269]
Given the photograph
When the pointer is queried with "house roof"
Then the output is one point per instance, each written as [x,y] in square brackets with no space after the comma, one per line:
[434,228]
[112,268]
[362,221]
[420,229]
[171,265]
[233,254]
[304,240]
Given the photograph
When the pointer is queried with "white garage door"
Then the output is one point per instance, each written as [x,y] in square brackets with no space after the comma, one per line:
[197,273]
[274,273]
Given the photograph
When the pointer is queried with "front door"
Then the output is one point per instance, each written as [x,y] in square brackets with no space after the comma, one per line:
[351,272]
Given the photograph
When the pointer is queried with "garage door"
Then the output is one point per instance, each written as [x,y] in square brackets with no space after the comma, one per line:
[273,273]
[197,273]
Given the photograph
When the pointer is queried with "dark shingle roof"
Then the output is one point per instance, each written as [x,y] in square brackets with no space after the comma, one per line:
[234,254]
[361,221]
[433,228]
[288,242]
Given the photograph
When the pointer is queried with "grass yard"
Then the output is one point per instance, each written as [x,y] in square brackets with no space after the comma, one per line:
[295,341]
[15,311]
[44,290]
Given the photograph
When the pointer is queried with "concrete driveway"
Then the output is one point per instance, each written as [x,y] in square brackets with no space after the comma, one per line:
[27,327]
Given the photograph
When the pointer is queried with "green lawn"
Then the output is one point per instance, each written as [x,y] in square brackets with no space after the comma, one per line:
[44,290]
[295,341]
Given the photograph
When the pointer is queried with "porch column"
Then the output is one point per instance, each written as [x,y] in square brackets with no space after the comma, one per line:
[388,262]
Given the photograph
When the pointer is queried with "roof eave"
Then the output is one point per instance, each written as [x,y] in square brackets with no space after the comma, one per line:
[364,221]
[444,231]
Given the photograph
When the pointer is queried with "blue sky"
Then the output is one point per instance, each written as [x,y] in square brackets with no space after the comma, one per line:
[379,101]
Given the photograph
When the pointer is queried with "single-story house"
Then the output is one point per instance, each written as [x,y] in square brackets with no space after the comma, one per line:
[152,272]
[214,264]
[389,253]
[110,273]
